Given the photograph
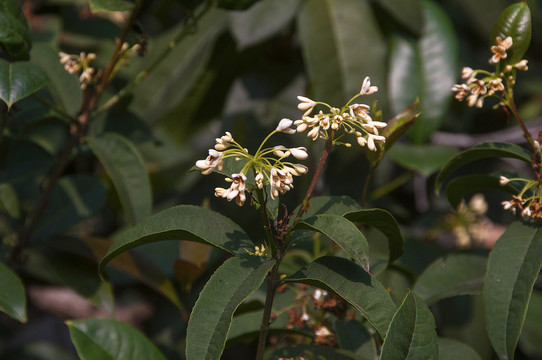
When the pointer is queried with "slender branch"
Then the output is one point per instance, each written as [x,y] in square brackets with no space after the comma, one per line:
[272,282]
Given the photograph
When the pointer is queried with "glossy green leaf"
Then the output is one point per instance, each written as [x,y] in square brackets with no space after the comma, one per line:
[352,283]
[13,8]
[514,21]
[212,315]
[14,36]
[12,296]
[435,55]
[426,159]
[451,275]
[463,185]
[452,350]
[110,5]
[513,266]
[529,342]
[336,38]
[19,80]
[482,151]
[74,199]
[353,336]
[408,13]
[335,205]
[383,221]
[126,168]
[104,339]
[313,352]
[183,222]
[412,333]
[342,232]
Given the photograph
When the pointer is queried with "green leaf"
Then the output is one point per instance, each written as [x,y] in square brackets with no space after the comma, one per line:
[451,275]
[14,36]
[104,339]
[9,202]
[25,160]
[335,205]
[452,350]
[352,283]
[514,21]
[236,4]
[354,336]
[513,266]
[13,8]
[12,296]
[342,232]
[248,325]
[183,222]
[127,171]
[336,37]
[529,342]
[313,352]
[19,80]
[110,5]
[423,158]
[212,315]
[412,333]
[482,151]
[383,221]
[460,186]
[74,199]
[408,13]
[434,58]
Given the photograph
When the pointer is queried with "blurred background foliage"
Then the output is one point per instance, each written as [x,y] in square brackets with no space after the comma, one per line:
[238,67]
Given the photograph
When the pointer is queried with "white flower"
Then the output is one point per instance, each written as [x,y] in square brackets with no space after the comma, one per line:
[360,110]
[361,141]
[236,190]
[214,160]
[467,73]
[223,142]
[279,151]
[299,153]
[306,105]
[503,180]
[302,126]
[522,65]
[499,50]
[461,90]
[526,212]
[508,205]
[281,181]
[284,126]
[259,180]
[371,139]
[366,88]
[313,134]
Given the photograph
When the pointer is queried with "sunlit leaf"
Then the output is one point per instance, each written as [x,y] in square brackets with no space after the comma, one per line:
[12,295]
[104,339]
[19,80]
[352,283]
[514,264]
[212,315]
[452,275]
[514,21]
[412,333]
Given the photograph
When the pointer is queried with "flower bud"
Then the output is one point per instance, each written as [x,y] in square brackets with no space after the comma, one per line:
[503,180]
[284,126]
[299,153]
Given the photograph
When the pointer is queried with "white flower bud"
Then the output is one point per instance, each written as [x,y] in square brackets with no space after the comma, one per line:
[366,88]
[503,180]
[284,126]
[299,153]
[279,151]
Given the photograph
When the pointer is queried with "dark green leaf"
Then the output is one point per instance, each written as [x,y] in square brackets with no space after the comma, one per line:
[482,151]
[183,222]
[383,221]
[336,37]
[212,315]
[110,5]
[423,158]
[342,232]
[24,160]
[336,205]
[355,337]
[248,326]
[74,199]
[412,333]
[408,13]
[529,342]
[514,21]
[13,8]
[437,55]
[352,283]
[12,296]
[127,171]
[14,36]
[513,266]
[313,352]
[461,186]
[452,275]
[9,203]
[104,339]
[236,4]
[19,80]
[452,350]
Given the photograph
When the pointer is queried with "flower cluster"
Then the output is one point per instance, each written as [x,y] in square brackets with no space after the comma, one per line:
[475,90]
[79,64]
[268,164]
[528,201]
[350,119]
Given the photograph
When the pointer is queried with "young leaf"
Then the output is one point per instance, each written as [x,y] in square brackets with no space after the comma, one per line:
[127,171]
[183,222]
[514,21]
[104,339]
[460,186]
[342,232]
[110,5]
[513,266]
[412,333]
[352,283]
[212,315]
[12,296]
[482,151]
[449,349]
[383,221]
[451,275]
[19,80]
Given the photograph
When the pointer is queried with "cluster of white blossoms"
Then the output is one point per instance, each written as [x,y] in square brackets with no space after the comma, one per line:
[529,206]
[268,164]
[79,64]
[475,90]
[350,119]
